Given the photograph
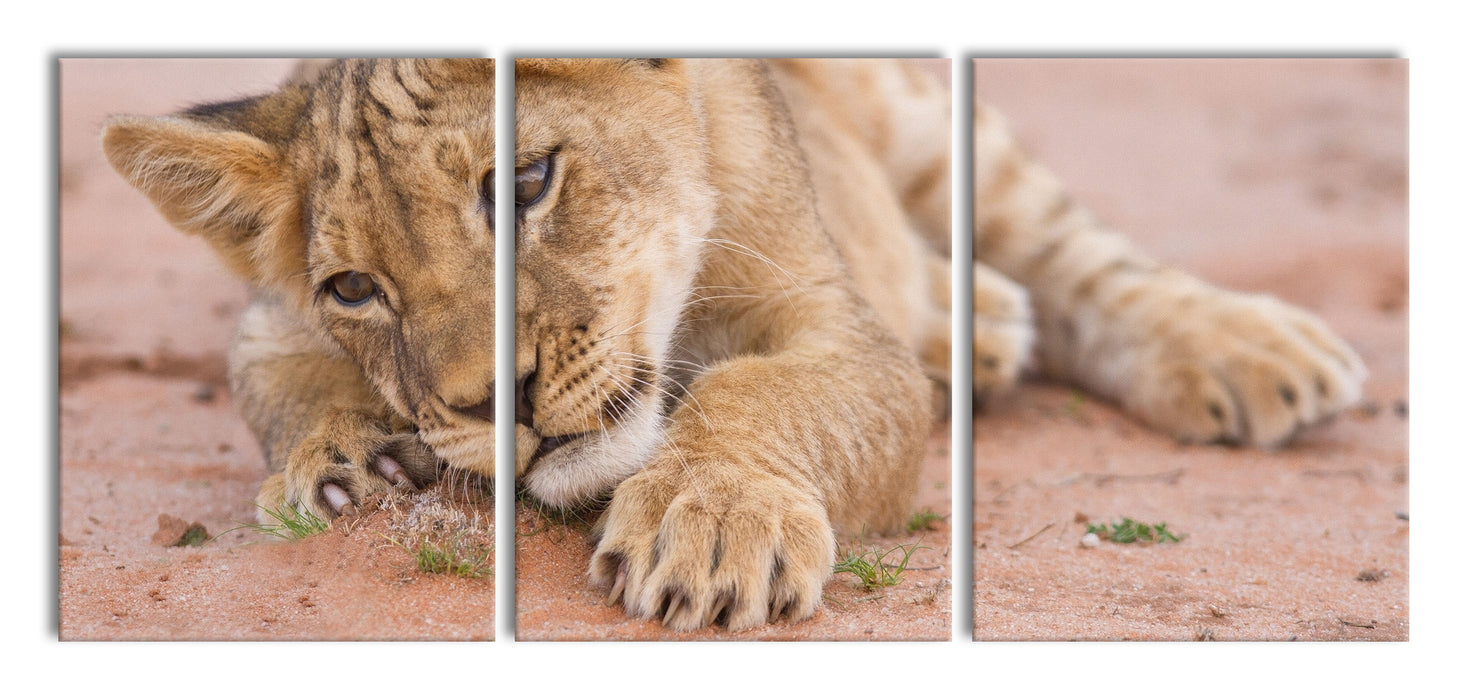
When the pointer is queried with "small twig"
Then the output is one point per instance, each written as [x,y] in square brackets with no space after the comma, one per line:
[1022,542]
[1363,625]
[879,596]
[1168,477]
[1357,474]
[1002,497]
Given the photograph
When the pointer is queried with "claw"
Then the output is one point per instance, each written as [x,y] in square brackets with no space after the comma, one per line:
[337,498]
[392,471]
[618,584]
[717,609]
[677,601]
[778,609]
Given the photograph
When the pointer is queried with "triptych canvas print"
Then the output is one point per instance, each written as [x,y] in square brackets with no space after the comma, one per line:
[955,350]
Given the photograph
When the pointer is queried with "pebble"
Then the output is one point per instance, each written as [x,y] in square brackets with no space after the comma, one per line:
[1090,540]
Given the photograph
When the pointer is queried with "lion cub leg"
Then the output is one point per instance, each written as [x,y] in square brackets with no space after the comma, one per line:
[733,520]
[882,173]
[1200,363]
[697,543]
[1004,333]
[324,432]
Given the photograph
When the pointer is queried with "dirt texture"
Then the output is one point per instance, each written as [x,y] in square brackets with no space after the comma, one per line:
[1285,177]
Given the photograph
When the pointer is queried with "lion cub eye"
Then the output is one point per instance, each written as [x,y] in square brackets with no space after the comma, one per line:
[531,181]
[352,288]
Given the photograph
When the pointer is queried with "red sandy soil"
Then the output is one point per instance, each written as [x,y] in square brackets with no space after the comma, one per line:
[1289,180]
[1280,177]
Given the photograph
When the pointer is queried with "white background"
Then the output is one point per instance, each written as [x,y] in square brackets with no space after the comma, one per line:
[1427,33]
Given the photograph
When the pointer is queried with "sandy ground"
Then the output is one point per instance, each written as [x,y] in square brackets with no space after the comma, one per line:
[1279,177]
[1289,180]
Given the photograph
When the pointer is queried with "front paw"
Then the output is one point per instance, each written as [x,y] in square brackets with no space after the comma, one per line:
[1004,333]
[743,552]
[1243,369]
[348,457]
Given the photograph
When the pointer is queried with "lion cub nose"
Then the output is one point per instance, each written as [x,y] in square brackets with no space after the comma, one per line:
[523,413]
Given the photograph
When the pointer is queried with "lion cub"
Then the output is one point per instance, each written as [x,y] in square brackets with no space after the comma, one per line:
[730,307]
[688,338]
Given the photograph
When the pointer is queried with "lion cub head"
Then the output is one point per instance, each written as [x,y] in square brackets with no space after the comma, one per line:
[616,206]
[360,195]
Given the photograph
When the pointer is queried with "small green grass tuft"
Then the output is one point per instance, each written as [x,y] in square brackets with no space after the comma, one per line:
[451,556]
[291,523]
[195,536]
[870,565]
[1074,403]
[1128,531]
[924,520]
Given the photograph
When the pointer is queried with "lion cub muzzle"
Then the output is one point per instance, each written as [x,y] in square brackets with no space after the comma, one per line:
[586,409]
[524,414]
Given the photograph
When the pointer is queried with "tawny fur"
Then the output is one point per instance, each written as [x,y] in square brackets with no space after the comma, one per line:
[688,239]
[683,316]
[366,166]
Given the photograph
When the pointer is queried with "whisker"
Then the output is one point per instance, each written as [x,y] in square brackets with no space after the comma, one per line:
[678,397]
[740,248]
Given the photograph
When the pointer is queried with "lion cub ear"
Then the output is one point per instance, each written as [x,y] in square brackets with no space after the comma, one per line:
[209,175]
